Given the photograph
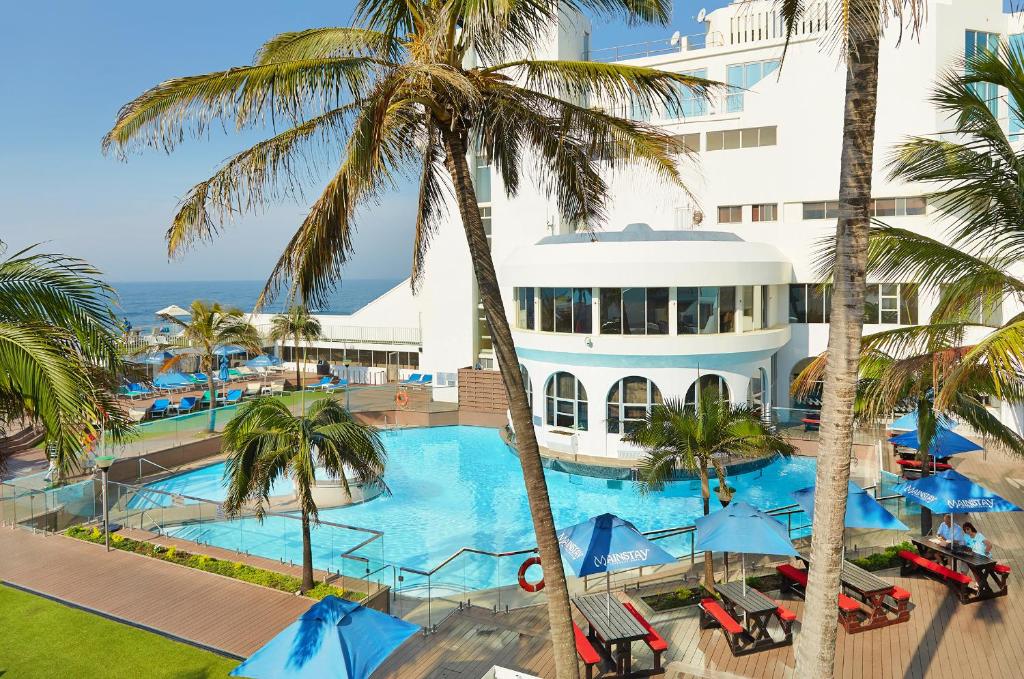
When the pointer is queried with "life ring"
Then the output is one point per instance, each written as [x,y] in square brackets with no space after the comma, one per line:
[523,582]
[402,399]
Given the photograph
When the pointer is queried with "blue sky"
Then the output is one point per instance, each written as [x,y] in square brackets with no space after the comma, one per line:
[69,66]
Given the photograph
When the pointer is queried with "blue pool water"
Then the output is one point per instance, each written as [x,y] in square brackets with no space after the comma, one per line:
[453,487]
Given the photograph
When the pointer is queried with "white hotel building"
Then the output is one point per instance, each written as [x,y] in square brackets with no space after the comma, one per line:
[672,289]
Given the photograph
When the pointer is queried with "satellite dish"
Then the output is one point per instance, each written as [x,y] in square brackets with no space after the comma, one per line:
[701,15]
[675,39]
[698,217]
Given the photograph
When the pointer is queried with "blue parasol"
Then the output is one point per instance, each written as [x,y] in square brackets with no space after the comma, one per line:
[950,492]
[228,350]
[263,361]
[744,529]
[944,444]
[908,422]
[862,510]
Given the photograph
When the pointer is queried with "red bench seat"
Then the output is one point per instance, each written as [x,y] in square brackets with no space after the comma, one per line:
[1002,569]
[585,650]
[715,610]
[785,614]
[936,568]
[653,639]
[799,576]
[900,594]
[916,464]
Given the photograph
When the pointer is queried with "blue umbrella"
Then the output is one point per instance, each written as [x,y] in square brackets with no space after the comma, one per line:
[862,510]
[263,361]
[334,639]
[154,358]
[606,543]
[909,422]
[223,374]
[944,444]
[745,529]
[228,350]
[950,492]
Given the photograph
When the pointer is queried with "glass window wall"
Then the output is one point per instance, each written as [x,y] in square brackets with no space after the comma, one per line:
[565,402]
[629,402]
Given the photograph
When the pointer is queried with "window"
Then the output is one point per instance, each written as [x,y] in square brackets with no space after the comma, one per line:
[898,207]
[823,209]
[709,385]
[582,310]
[705,311]
[975,43]
[809,303]
[730,214]
[764,212]
[690,103]
[750,137]
[629,402]
[747,307]
[690,142]
[564,309]
[524,308]
[482,176]
[485,219]
[890,303]
[565,402]
[743,77]
[634,311]
[527,387]
[798,303]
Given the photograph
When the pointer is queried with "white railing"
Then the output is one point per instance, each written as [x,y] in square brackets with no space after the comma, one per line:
[356,333]
[651,48]
[756,26]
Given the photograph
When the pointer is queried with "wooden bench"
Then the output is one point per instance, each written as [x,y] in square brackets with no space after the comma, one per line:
[586,651]
[654,641]
[713,615]
[850,612]
[960,583]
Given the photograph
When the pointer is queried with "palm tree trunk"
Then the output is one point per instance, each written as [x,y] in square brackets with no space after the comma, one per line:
[816,644]
[709,558]
[559,615]
[307,555]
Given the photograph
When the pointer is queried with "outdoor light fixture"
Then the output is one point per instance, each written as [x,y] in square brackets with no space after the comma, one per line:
[104,462]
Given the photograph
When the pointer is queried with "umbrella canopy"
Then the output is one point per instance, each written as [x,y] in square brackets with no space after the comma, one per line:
[228,350]
[154,358]
[862,510]
[263,361]
[334,639]
[944,444]
[743,528]
[909,422]
[950,492]
[173,310]
[607,543]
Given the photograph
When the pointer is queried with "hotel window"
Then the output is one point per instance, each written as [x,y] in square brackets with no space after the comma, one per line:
[482,176]
[524,308]
[890,303]
[708,385]
[527,387]
[565,402]
[743,77]
[898,207]
[764,212]
[629,402]
[975,43]
[566,310]
[634,311]
[730,214]
[749,137]
[809,303]
[690,142]
[690,102]
[822,209]
[705,311]
[485,219]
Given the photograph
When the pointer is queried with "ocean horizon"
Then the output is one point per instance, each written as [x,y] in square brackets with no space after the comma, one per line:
[138,301]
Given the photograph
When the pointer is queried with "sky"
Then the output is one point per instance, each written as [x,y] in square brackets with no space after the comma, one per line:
[70,65]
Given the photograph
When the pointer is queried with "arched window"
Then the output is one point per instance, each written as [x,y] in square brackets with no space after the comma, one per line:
[716,383]
[526,383]
[629,401]
[565,402]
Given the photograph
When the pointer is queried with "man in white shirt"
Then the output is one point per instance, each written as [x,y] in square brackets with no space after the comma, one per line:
[949,531]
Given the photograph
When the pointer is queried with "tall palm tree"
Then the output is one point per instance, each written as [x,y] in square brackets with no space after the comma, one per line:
[59,352]
[297,325]
[856,30]
[265,442]
[698,438]
[414,88]
[212,327]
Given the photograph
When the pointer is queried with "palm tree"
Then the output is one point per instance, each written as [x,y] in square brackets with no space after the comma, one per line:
[857,27]
[265,442]
[59,352]
[415,88]
[297,325]
[698,438]
[210,328]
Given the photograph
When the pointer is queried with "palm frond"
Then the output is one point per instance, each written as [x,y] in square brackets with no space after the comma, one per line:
[326,43]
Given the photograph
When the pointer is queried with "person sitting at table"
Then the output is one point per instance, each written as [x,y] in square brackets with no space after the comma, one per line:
[949,531]
[978,543]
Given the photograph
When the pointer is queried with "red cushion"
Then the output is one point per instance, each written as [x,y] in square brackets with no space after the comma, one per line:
[653,639]
[847,604]
[795,574]
[785,614]
[900,594]
[718,613]
[916,464]
[1002,568]
[583,647]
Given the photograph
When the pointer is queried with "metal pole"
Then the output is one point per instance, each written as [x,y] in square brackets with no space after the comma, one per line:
[106,512]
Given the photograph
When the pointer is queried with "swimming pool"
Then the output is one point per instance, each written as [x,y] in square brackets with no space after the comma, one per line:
[459,486]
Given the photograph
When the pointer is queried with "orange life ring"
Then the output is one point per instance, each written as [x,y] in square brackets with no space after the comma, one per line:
[523,582]
[402,399]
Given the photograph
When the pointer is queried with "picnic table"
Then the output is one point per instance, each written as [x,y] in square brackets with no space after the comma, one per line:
[757,612]
[983,568]
[871,591]
[613,627]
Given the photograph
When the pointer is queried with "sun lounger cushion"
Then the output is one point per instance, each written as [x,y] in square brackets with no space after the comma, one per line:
[728,623]
[653,639]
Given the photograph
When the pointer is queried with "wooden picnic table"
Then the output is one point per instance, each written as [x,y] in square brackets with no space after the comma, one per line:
[870,589]
[982,567]
[613,627]
[758,611]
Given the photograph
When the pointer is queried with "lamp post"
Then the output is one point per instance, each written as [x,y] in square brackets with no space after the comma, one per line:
[348,385]
[104,462]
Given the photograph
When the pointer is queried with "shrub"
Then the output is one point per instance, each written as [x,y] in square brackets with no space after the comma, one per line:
[887,558]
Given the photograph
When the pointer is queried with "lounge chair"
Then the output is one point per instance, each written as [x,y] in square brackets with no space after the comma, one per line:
[138,388]
[412,379]
[186,405]
[205,400]
[231,398]
[253,389]
[322,385]
[340,384]
[246,372]
[200,378]
[159,407]
[426,380]
[277,389]
[235,374]
[128,392]
[136,414]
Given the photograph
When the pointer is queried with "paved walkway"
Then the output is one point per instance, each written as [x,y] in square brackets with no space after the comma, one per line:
[224,614]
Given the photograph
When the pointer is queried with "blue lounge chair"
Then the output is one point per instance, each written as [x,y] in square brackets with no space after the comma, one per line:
[200,378]
[412,379]
[186,405]
[232,397]
[323,384]
[128,392]
[139,389]
[340,384]
[426,379]
[205,400]
[159,407]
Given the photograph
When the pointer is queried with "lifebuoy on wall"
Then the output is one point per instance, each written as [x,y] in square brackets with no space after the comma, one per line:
[523,582]
[402,399]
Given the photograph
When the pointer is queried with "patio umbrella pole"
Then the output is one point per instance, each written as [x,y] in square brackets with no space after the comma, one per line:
[608,592]
[743,571]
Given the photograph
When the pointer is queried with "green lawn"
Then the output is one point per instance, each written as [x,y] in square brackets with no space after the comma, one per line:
[42,638]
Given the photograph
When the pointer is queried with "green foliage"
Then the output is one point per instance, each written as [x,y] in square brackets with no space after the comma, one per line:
[231,569]
[683,596]
[887,558]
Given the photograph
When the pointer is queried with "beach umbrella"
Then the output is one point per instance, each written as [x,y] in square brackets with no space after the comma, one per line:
[606,543]
[334,639]
[909,422]
[228,350]
[944,444]
[174,310]
[862,509]
[223,375]
[263,361]
[950,492]
[745,529]
[153,358]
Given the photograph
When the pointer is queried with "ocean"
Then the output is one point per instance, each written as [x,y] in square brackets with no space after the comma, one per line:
[139,300]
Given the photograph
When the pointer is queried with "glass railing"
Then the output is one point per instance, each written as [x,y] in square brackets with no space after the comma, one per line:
[804,424]
[49,509]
